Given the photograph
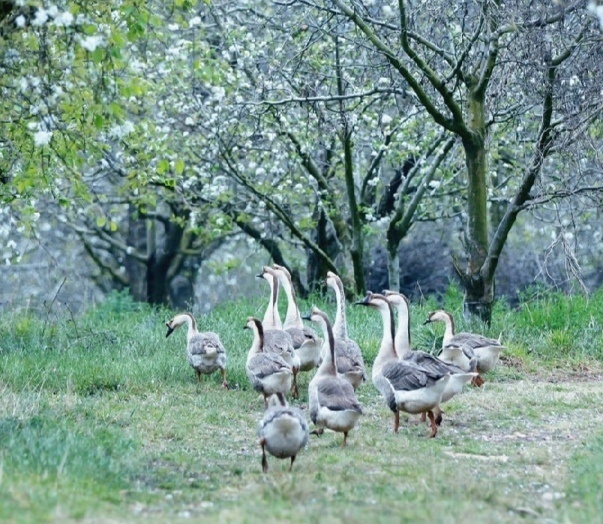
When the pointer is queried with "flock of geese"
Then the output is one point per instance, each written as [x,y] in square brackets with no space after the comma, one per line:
[410,381]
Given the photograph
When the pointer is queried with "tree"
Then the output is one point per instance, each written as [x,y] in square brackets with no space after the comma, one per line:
[456,59]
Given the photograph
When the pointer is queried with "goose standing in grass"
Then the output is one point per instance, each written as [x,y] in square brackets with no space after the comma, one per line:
[204,351]
[268,372]
[306,342]
[459,377]
[405,385]
[277,340]
[333,403]
[283,430]
[350,363]
[485,350]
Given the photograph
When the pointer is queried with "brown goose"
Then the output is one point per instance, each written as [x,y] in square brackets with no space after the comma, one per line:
[333,403]
[485,350]
[204,351]
[267,372]
[459,377]
[306,342]
[283,431]
[350,363]
[276,340]
[405,385]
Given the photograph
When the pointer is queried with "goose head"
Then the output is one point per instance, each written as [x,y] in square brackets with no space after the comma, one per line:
[396,299]
[332,280]
[176,322]
[438,316]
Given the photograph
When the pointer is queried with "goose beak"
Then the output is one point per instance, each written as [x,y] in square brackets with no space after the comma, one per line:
[169,331]
[428,321]
[307,317]
[363,302]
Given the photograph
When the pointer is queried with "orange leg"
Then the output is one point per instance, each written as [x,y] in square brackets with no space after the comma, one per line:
[294,389]
[345,439]
[264,461]
[396,421]
[434,426]
[438,415]
[292,460]
[477,381]
[224,383]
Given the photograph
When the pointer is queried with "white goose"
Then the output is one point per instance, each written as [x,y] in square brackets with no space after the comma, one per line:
[350,363]
[333,403]
[486,350]
[306,342]
[405,385]
[276,340]
[204,351]
[283,431]
[267,372]
[459,377]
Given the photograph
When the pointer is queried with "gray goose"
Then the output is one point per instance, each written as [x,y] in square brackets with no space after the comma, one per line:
[277,340]
[485,350]
[283,431]
[350,363]
[306,342]
[267,372]
[333,403]
[459,377]
[204,351]
[405,385]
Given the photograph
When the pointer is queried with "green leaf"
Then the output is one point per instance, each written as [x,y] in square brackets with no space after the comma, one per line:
[179,167]
[98,121]
[162,166]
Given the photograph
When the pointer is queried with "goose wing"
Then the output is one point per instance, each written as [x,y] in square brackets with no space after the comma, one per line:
[278,341]
[473,341]
[433,364]
[406,376]
[337,395]
[204,343]
[264,364]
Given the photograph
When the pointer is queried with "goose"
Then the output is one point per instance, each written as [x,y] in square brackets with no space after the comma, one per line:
[268,373]
[485,350]
[276,340]
[405,385]
[333,402]
[350,363]
[459,377]
[283,430]
[306,342]
[204,351]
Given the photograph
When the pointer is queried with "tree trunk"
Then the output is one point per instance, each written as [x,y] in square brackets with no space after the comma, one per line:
[136,270]
[478,285]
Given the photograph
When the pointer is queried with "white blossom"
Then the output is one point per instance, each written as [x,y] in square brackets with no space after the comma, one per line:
[65,19]
[196,20]
[386,120]
[596,10]
[90,43]
[42,138]
[20,21]
[41,17]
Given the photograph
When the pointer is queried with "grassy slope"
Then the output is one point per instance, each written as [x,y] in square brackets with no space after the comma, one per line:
[101,417]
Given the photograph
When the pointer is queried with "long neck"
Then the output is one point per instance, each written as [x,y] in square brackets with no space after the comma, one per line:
[293,317]
[327,366]
[387,350]
[340,328]
[257,346]
[191,323]
[272,319]
[449,331]
[402,338]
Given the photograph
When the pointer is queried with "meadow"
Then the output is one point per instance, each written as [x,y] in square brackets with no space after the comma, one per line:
[101,421]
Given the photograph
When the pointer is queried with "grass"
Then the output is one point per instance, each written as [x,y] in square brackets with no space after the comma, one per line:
[100,419]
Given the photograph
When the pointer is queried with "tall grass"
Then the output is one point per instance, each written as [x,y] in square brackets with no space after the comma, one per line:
[100,412]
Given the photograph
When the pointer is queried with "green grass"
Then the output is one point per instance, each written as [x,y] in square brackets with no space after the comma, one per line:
[100,418]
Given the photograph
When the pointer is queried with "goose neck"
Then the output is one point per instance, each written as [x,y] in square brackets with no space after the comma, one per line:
[340,325]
